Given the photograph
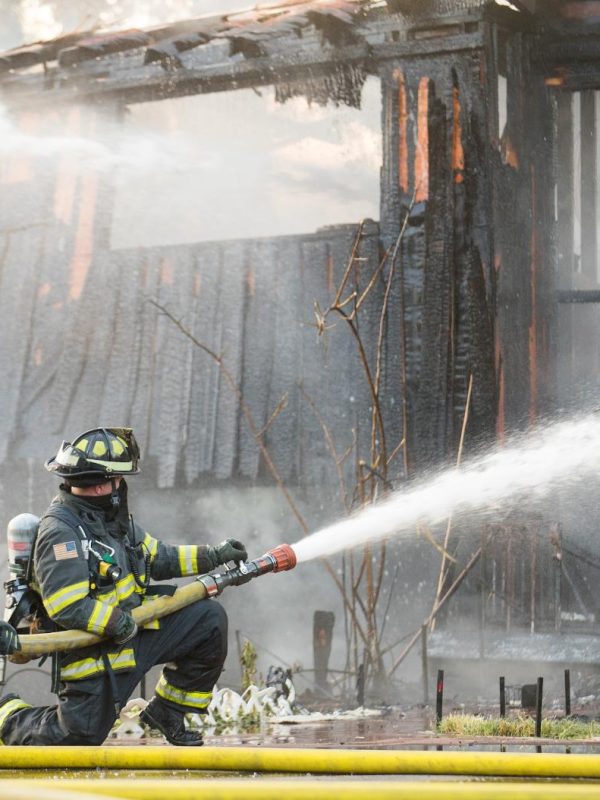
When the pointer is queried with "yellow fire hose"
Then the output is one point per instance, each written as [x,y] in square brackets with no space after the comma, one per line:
[268,789]
[24,790]
[300,760]
[40,644]
[279,559]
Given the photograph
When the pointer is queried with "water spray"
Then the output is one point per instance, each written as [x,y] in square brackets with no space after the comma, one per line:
[532,467]
[279,559]
[555,457]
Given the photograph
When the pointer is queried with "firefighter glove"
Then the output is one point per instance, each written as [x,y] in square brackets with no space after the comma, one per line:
[9,640]
[229,550]
[126,629]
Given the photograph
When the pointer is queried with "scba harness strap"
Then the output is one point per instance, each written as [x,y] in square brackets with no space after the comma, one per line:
[65,515]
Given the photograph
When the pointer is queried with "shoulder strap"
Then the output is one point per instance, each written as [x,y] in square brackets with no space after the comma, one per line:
[64,514]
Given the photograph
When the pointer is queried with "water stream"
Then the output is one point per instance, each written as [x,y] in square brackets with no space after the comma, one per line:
[529,469]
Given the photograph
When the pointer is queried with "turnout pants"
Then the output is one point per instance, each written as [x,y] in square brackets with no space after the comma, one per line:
[191,643]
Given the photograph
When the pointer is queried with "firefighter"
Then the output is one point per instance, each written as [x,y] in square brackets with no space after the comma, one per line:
[92,564]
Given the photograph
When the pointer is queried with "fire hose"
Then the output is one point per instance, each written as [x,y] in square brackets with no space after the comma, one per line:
[279,559]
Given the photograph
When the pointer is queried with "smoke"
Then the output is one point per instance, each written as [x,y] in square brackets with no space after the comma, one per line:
[111,148]
[140,13]
[307,163]
[556,457]
[38,20]
[280,169]
[30,21]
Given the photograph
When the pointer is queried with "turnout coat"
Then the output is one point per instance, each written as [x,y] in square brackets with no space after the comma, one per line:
[75,547]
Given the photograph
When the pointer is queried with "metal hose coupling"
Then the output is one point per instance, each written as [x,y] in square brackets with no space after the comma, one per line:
[279,559]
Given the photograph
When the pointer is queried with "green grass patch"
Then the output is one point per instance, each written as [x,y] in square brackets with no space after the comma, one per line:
[519,725]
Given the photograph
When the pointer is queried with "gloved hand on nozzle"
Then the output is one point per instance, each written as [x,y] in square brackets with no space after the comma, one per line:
[9,639]
[229,550]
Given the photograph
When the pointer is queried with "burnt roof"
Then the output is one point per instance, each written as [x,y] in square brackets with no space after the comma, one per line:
[334,18]
[275,43]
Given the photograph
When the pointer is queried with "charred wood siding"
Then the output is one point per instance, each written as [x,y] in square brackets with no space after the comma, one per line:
[472,294]
[80,344]
[435,129]
[477,295]
[525,244]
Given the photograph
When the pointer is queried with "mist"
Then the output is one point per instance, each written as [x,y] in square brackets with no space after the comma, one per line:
[554,458]
[238,214]
[26,21]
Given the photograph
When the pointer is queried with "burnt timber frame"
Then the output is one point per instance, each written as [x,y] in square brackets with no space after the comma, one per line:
[477,295]
[486,304]
[124,79]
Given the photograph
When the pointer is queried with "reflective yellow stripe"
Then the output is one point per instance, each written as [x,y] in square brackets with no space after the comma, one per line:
[109,597]
[99,617]
[188,559]
[125,587]
[67,596]
[16,704]
[87,667]
[151,545]
[195,700]
[121,590]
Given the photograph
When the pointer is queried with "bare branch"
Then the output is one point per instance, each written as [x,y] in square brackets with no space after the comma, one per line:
[373,280]
[349,449]
[321,319]
[424,531]
[379,580]
[263,449]
[331,447]
[352,296]
[395,451]
[357,240]
[245,411]
[347,603]
[443,569]
[276,412]
[459,579]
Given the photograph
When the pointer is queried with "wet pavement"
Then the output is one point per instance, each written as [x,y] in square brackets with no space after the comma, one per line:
[394,729]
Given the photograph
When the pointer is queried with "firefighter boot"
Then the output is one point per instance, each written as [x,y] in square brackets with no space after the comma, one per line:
[170,723]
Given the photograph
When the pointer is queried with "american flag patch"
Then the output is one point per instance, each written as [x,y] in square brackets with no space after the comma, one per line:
[65,550]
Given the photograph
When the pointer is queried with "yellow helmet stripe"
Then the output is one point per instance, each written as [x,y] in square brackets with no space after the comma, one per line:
[112,466]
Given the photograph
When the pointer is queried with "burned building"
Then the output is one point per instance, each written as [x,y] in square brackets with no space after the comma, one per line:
[482,238]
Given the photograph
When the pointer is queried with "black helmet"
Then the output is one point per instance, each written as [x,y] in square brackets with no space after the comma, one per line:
[97,456]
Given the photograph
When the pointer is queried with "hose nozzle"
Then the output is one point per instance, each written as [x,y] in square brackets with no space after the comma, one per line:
[278,559]
[285,557]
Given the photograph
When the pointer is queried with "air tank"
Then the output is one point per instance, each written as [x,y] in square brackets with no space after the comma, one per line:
[20,536]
